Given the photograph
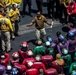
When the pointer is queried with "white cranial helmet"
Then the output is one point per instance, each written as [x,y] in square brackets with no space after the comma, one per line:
[38,58]
[2,56]
[29,53]
[9,67]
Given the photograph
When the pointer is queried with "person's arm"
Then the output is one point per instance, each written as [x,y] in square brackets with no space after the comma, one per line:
[30,24]
[48,23]
[43,67]
[45,20]
[9,3]
[18,12]
[1,4]
[7,58]
[24,62]
[73,12]
[70,59]
[58,47]
[34,51]
[4,73]
[10,26]
[73,9]
[68,8]
[11,30]
[33,21]
[71,69]
[65,3]
[67,45]
[11,13]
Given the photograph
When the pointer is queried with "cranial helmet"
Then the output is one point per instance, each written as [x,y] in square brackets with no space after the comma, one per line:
[24,44]
[47,43]
[64,51]
[2,56]
[38,58]
[71,34]
[29,53]
[39,42]
[15,4]
[15,55]
[49,38]
[61,37]
[9,67]
[14,71]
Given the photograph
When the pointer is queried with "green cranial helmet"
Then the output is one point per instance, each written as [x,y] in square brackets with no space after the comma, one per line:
[65,51]
[39,42]
[47,43]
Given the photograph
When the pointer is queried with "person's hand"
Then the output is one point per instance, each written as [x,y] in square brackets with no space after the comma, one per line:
[3,61]
[17,13]
[12,37]
[69,14]
[52,23]
[13,13]
[28,25]
[66,6]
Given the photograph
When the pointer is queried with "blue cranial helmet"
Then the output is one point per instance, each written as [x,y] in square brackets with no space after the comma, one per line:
[61,37]
[49,39]
[14,71]
[71,34]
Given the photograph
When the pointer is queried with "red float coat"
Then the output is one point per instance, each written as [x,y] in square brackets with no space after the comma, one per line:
[25,62]
[5,60]
[47,59]
[32,71]
[21,68]
[39,65]
[51,71]
[72,8]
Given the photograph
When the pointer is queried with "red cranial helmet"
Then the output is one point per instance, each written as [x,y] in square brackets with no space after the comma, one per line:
[15,55]
[24,44]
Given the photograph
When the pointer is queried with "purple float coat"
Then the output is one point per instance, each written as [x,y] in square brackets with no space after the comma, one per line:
[61,46]
[2,70]
[72,45]
[56,41]
[73,30]
[53,45]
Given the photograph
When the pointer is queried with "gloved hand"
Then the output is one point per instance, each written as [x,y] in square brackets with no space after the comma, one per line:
[12,37]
